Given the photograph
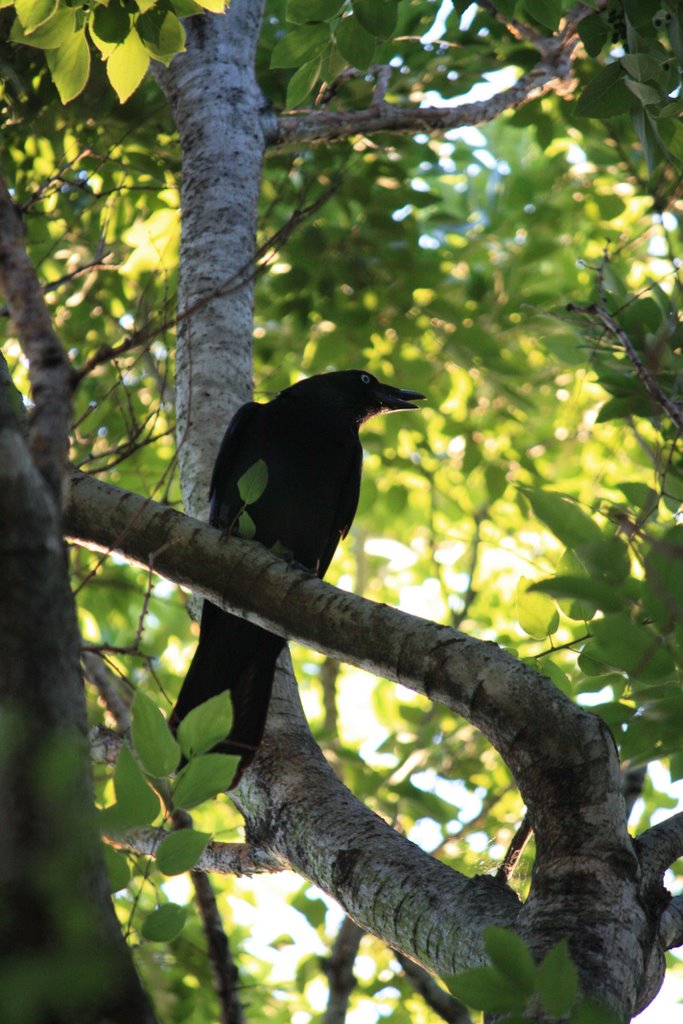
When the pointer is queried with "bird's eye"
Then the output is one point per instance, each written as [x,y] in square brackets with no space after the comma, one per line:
[364,377]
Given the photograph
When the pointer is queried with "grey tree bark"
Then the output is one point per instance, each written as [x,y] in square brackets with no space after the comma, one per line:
[218,110]
[591,883]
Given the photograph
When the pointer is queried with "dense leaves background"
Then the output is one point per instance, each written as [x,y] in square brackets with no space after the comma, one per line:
[473,267]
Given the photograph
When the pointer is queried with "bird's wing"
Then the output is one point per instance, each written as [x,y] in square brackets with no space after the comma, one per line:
[222,512]
[345,509]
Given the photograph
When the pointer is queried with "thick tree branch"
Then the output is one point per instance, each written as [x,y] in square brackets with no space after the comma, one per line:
[49,370]
[295,807]
[513,705]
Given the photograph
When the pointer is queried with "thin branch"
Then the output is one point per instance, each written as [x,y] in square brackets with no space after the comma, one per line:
[339,970]
[247,272]
[672,409]
[552,73]
[515,850]
[110,689]
[225,973]
[671,924]
[658,847]
[436,997]
[219,858]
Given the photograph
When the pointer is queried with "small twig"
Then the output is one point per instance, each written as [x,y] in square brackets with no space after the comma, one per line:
[246,273]
[223,966]
[672,409]
[117,702]
[218,858]
[383,78]
[515,850]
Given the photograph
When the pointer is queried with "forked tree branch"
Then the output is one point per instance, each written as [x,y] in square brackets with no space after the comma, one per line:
[552,73]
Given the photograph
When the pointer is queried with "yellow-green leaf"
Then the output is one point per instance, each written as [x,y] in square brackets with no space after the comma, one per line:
[55,31]
[34,13]
[127,65]
[69,66]
[536,612]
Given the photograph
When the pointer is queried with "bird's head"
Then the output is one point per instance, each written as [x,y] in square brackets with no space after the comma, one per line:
[358,393]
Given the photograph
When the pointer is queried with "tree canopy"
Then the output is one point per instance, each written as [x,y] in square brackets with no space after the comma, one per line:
[478,201]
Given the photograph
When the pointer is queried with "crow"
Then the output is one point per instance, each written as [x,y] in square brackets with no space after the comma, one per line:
[288,475]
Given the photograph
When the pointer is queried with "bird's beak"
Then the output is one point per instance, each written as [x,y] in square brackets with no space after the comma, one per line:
[395,399]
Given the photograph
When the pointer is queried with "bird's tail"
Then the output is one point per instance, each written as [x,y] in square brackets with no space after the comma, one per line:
[238,656]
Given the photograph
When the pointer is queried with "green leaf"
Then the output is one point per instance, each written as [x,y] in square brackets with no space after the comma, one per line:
[52,33]
[536,613]
[355,44]
[246,527]
[300,45]
[181,850]
[591,593]
[378,17]
[206,725]
[136,802]
[161,32]
[557,981]
[593,33]
[34,13]
[512,957]
[645,93]
[545,12]
[302,81]
[215,6]
[118,869]
[112,23]
[203,778]
[484,988]
[156,747]
[626,645]
[165,923]
[253,483]
[127,65]
[301,11]
[69,66]
[563,517]
[642,67]
[663,594]
[186,8]
[605,95]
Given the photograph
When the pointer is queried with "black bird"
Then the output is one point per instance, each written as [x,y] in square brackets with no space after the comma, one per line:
[308,439]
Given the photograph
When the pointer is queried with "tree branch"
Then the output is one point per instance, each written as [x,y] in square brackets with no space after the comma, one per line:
[552,73]
[671,925]
[673,409]
[241,859]
[296,808]
[339,970]
[660,846]
[506,699]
